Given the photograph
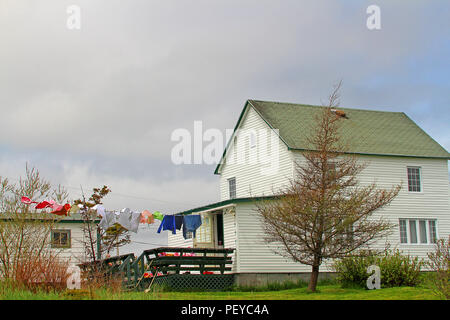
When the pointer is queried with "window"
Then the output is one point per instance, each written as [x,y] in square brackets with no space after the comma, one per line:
[235,156]
[232,187]
[414,179]
[412,231]
[60,239]
[204,233]
[403,232]
[331,170]
[344,232]
[432,228]
[417,231]
[252,140]
[423,231]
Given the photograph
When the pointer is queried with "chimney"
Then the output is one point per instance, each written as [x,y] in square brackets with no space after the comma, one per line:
[339,113]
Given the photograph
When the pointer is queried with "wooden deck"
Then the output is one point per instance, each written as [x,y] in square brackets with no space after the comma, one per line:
[164,262]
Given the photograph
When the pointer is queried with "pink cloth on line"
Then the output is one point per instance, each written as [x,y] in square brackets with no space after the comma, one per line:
[146,217]
[27,200]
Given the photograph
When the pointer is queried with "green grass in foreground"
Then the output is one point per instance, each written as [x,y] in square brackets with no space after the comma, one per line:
[326,292]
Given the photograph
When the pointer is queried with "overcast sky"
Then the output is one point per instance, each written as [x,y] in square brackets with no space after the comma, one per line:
[98,105]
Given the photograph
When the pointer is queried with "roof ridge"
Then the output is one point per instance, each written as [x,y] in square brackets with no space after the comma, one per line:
[312,105]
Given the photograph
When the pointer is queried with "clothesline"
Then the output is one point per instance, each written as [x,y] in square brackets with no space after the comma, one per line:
[127,218]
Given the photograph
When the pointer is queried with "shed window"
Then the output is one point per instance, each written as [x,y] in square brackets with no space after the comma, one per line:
[60,239]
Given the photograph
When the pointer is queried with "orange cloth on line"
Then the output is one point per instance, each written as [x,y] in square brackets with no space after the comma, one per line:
[147,217]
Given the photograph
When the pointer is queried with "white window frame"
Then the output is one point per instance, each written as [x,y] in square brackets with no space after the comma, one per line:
[67,245]
[427,228]
[420,178]
[229,188]
[252,139]
[205,230]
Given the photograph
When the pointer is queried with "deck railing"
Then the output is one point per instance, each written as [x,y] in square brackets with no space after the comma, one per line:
[163,261]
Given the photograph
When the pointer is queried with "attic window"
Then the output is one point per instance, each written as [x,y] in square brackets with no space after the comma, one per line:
[339,113]
[252,140]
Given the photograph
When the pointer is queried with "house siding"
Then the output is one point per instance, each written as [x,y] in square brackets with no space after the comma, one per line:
[431,203]
[76,253]
[256,256]
[177,240]
[251,177]
[229,236]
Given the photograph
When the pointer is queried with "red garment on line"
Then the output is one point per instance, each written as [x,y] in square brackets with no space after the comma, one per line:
[58,209]
[61,210]
[43,204]
[27,200]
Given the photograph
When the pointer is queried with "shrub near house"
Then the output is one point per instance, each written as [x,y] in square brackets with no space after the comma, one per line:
[396,269]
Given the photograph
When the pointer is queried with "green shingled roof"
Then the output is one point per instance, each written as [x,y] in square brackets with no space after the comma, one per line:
[368,131]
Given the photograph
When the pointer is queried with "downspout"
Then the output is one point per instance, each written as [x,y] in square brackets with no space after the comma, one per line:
[99,254]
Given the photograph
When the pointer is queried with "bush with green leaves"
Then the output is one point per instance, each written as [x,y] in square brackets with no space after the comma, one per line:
[396,268]
[439,263]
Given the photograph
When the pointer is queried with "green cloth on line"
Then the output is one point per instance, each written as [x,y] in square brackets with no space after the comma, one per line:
[158,215]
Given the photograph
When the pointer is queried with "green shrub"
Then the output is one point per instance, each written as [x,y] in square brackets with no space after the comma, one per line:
[396,269]
[439,263]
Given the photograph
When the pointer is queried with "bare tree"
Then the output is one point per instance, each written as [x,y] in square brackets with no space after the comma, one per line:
[97,242]
[324,213]
[25,232]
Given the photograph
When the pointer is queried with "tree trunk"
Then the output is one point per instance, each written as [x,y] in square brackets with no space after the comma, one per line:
[314,277]
[314,274]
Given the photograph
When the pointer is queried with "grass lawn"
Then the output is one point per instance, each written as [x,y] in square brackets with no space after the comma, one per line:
[329,292]
[326,292]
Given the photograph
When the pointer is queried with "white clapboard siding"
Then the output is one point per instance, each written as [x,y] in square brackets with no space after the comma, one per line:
[177,240]
[254,255]
[229,236]
[252,179]
[76,253]
[431,203]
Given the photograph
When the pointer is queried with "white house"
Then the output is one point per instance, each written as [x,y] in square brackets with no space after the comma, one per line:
[255,164]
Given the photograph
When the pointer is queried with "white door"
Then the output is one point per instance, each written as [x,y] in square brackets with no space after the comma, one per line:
[204,235]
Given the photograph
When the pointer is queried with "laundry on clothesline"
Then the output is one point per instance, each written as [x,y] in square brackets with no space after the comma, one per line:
[189,223]
[58,209]
[158,215]
[100,210]
[26,200]
[168,223]
[127,218]
[147,217]
[61,210]
[178,222]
